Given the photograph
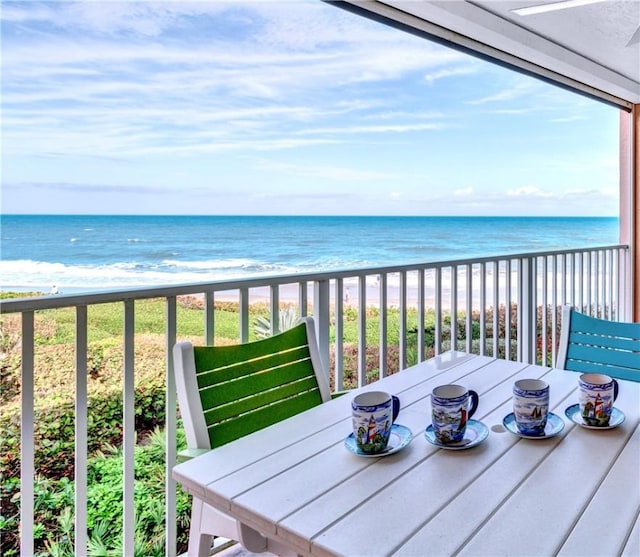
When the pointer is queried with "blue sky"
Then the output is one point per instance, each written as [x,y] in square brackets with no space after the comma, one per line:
[290,107]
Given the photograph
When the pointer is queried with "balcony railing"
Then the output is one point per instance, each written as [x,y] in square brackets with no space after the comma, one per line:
[505,306]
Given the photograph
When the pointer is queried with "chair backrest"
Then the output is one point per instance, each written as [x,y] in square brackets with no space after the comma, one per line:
[592,345]
[226,392]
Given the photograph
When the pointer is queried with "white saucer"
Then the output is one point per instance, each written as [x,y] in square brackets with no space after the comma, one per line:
[400,437]
[554,426]
[573,413]
[475,434]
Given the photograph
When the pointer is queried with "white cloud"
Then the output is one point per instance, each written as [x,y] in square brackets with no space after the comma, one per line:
[529,192]
[444,73]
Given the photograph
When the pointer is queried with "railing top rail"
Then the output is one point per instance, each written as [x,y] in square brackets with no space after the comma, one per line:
[16,305]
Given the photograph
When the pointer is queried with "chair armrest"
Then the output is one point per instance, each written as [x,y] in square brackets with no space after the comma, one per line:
[188,454]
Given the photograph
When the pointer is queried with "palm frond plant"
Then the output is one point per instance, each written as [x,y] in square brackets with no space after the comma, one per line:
[287,318]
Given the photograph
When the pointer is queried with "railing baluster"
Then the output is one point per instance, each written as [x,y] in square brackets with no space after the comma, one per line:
[521,331]
[580,276]
[303,304]
[171,427]
[274,308]
[209,318]
[496,307]
[589,280]
[362,331]
[129,431]
[321,303]
[339,335]
[384,368]
[27,448]
[438,309]
[244,314]
[508,310]
[483,308]
[80,472]
[402,333]
[469,305]
[610,276]
[600,264]
[421,321]
[563,272]
[543,316]
[554,308]
[454,307]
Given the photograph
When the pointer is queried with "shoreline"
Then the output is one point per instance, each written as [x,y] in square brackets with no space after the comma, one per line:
[288,295]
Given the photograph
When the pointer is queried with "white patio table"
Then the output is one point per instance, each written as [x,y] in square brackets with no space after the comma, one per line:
[577,493]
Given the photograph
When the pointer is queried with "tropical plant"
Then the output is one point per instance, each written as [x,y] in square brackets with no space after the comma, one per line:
[287,318]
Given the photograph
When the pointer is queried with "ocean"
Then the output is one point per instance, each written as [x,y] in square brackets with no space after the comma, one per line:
[89,253]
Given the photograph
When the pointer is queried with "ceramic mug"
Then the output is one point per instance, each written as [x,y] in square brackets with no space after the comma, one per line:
[373,414]
[596,395]
[531,405]
[451,407]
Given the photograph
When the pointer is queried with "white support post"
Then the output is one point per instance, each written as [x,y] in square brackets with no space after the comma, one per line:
[209,318]
[321,304]
[421,319]
[303,299]
[403,320]
[80,471]
[170,431]
[438,309]
[383,325]
[527,310]
[362,330]
[468,269]
[274,308]
[27,449]
[244,315]
[129,435]
[339,336]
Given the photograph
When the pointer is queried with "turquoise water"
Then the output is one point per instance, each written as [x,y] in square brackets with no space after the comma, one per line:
[78,253]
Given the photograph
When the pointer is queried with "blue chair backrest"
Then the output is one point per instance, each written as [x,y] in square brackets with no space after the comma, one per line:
[592,345]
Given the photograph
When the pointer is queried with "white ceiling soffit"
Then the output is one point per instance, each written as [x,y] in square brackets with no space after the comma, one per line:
[590,46]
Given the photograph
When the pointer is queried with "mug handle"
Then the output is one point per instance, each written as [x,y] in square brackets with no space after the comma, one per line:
[473,397]
[395,402]
[615,389]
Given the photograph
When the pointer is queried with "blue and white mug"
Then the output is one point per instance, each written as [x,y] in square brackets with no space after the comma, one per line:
[373,414]
[531,405]
[596,395]
[451,408]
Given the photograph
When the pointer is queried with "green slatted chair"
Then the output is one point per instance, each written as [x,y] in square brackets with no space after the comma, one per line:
[227,392]
[591,345]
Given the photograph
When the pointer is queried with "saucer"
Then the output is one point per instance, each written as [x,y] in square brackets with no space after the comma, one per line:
[554,426]
[475,434]
[573,413]
[400,437]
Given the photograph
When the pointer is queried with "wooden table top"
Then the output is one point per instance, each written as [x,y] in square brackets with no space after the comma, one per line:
[576,493]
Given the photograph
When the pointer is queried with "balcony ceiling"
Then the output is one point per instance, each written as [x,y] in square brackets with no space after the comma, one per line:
[589,45]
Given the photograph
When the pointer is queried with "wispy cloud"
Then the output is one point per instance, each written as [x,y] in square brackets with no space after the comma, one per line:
[333,173]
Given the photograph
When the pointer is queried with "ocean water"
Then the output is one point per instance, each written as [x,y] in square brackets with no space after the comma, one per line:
[88,253]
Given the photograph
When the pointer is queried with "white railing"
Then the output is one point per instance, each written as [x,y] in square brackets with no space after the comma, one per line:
[505,306]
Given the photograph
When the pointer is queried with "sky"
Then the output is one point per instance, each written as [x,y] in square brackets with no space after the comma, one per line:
[288,107]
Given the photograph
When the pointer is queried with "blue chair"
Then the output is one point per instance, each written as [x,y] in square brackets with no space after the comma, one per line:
[591,345]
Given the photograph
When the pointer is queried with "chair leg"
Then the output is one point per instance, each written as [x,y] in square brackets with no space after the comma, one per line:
[199,542]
